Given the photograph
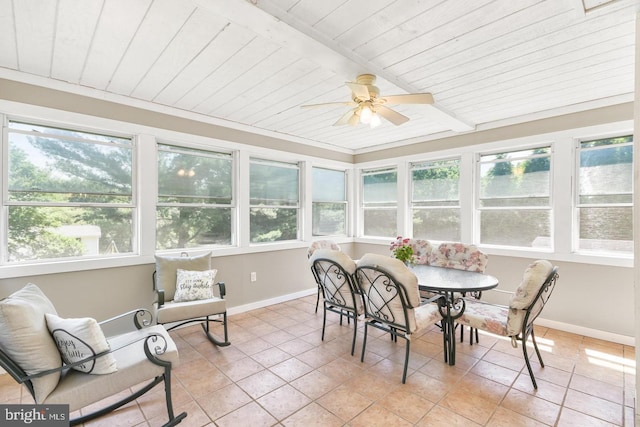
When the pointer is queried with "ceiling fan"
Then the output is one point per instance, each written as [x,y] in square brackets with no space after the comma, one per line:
[368,105]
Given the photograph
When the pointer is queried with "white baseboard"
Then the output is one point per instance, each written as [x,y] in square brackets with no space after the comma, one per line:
[267,302]
[592,333]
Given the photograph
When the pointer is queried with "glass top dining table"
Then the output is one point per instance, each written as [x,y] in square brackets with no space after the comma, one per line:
[452,284]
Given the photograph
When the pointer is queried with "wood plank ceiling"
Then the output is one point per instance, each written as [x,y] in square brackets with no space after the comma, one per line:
[254,63]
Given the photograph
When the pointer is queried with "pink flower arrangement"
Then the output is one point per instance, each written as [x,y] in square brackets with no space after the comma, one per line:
[402,250]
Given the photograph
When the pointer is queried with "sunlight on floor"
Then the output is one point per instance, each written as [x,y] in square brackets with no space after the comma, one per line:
[609,361]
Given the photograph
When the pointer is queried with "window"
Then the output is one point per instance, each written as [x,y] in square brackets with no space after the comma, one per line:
[69,193]
[604,195]
[195,198]
[329,202]
[274,201]
[435,200]
[514,198]
[380,202]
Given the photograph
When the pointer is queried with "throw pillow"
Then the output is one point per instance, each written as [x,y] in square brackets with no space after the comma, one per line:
[194,285]
[80,338]
[532,280]
[166,270]
[25,338]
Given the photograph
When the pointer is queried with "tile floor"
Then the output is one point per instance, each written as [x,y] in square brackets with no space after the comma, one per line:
[279,372]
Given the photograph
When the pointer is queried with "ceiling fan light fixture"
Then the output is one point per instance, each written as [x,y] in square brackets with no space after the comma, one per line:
[375,120]
[365,115]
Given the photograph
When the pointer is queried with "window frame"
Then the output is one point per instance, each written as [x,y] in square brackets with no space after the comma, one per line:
[345,202]
[412,203]
[133,204]
[209,152]
[297,165]
[478,209]
[576,205]
[379,206]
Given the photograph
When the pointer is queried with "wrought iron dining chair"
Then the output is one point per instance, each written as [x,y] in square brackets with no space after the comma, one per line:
[461,256]
[315,245]
[334,272]
[185,290]
[516,319]
[392,301]
[73,362]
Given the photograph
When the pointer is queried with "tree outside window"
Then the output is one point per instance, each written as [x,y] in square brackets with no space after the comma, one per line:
[69,193]
[195,198]
[274,201]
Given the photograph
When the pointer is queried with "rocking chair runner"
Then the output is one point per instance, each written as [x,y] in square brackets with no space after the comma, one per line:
[27,353]
[174,314]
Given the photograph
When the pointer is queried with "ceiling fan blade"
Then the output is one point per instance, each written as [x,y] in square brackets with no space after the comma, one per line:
[412,98]
[359,90]
[393,116]
[330,104]
[345,119]
[355,119]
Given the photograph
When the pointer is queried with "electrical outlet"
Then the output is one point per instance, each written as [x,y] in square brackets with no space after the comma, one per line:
[253,276]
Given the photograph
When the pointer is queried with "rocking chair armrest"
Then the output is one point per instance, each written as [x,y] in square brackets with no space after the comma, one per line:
[223,289]
[142,318]
[160,293]
[146,338]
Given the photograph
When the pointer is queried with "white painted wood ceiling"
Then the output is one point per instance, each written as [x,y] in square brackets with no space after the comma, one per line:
[254,63]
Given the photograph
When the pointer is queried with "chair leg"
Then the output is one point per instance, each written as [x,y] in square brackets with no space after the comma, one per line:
[364,341]
[324,320]
[535,345]
[214,340]
[355,332]
[406,361]
[526,358]
[318,299]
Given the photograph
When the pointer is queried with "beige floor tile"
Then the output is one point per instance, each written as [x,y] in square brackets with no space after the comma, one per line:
[313,415]
[260,383]
[283,401]
[472,406]
[251,411]
[442,417]
[504,417]
[531,406]
[595,406]
[344,403]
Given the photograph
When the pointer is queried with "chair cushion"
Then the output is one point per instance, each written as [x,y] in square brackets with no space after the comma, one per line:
[167,270]
[343,295]
[532,280]
[487,317]
[426,315]
[399,271]
[177,311]
[421,250]
[78,339]
[25,338]
[322,244]
[78,389]
[194,285]
[459,256]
